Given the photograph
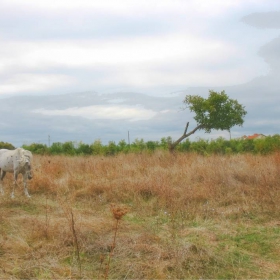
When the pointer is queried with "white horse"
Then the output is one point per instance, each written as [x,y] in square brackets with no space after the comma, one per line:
[17,161]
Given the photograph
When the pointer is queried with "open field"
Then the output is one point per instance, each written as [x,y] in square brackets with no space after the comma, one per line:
[188,216]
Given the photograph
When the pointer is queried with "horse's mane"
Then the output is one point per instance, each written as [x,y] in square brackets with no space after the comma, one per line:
[24,155]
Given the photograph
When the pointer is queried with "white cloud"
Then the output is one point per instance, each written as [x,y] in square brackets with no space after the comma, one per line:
[102,112]
[33,82]
[189,53]
[121,52]
[136,7]
[182,59]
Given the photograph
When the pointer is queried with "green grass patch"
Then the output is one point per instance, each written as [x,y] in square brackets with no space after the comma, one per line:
[261,241]
[27,206]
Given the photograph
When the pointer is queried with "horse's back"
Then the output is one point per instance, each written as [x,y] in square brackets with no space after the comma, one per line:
[3,151]
[7,159]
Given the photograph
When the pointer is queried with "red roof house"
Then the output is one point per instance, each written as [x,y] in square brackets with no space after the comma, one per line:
[254,136]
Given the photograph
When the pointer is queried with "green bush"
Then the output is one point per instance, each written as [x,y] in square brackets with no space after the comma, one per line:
[5,145]
[84,149]
[36,148]
[97,147]
[220,145]
[56,148]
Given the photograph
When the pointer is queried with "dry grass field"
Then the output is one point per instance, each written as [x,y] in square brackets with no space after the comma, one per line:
[145,216]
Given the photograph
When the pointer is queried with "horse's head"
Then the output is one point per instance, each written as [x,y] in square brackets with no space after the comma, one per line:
[25,163]
[28,170]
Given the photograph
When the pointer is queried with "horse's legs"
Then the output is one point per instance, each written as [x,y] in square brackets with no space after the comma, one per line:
[25,177]
[3,173]
[14,184]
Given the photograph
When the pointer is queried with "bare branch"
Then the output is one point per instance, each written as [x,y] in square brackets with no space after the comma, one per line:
[185,131]
[185,135]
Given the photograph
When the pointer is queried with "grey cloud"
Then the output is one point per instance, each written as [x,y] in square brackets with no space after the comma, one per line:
[271,53]
[74,25]
[20,126]
[263,20]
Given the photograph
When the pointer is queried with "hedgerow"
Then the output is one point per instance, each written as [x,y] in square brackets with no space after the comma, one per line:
[201,146]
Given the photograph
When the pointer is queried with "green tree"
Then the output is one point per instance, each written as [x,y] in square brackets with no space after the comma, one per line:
[165,142]
[123,146]
[185,146]
[217,111]
[200,146]
[152,145]
[37,148]
[56,148]
[111,148]
[83,149]
[68,148]
[97,147]
[138,145]
[6,145]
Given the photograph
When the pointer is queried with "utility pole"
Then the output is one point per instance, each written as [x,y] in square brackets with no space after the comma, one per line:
[128,138]
[49,140]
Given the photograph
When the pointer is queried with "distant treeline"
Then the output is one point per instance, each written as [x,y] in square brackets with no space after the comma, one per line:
[220,145]
[5,145]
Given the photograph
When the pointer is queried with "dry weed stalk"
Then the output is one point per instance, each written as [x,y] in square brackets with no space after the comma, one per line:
[118,212]
[47,219]
[76,243]
[67,209]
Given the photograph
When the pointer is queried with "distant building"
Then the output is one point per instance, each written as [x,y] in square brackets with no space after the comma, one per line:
[254,136]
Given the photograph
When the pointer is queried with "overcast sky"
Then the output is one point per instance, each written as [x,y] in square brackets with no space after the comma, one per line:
[82,70]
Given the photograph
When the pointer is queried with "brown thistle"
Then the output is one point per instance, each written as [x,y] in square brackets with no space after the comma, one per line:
[118,211]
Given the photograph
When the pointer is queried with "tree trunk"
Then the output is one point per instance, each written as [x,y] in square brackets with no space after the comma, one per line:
[185,135]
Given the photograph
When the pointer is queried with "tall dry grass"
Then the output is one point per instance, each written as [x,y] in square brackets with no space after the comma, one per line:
[189,217]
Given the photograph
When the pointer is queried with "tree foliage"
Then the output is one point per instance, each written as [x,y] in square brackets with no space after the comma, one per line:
[217,111]
[5,145]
